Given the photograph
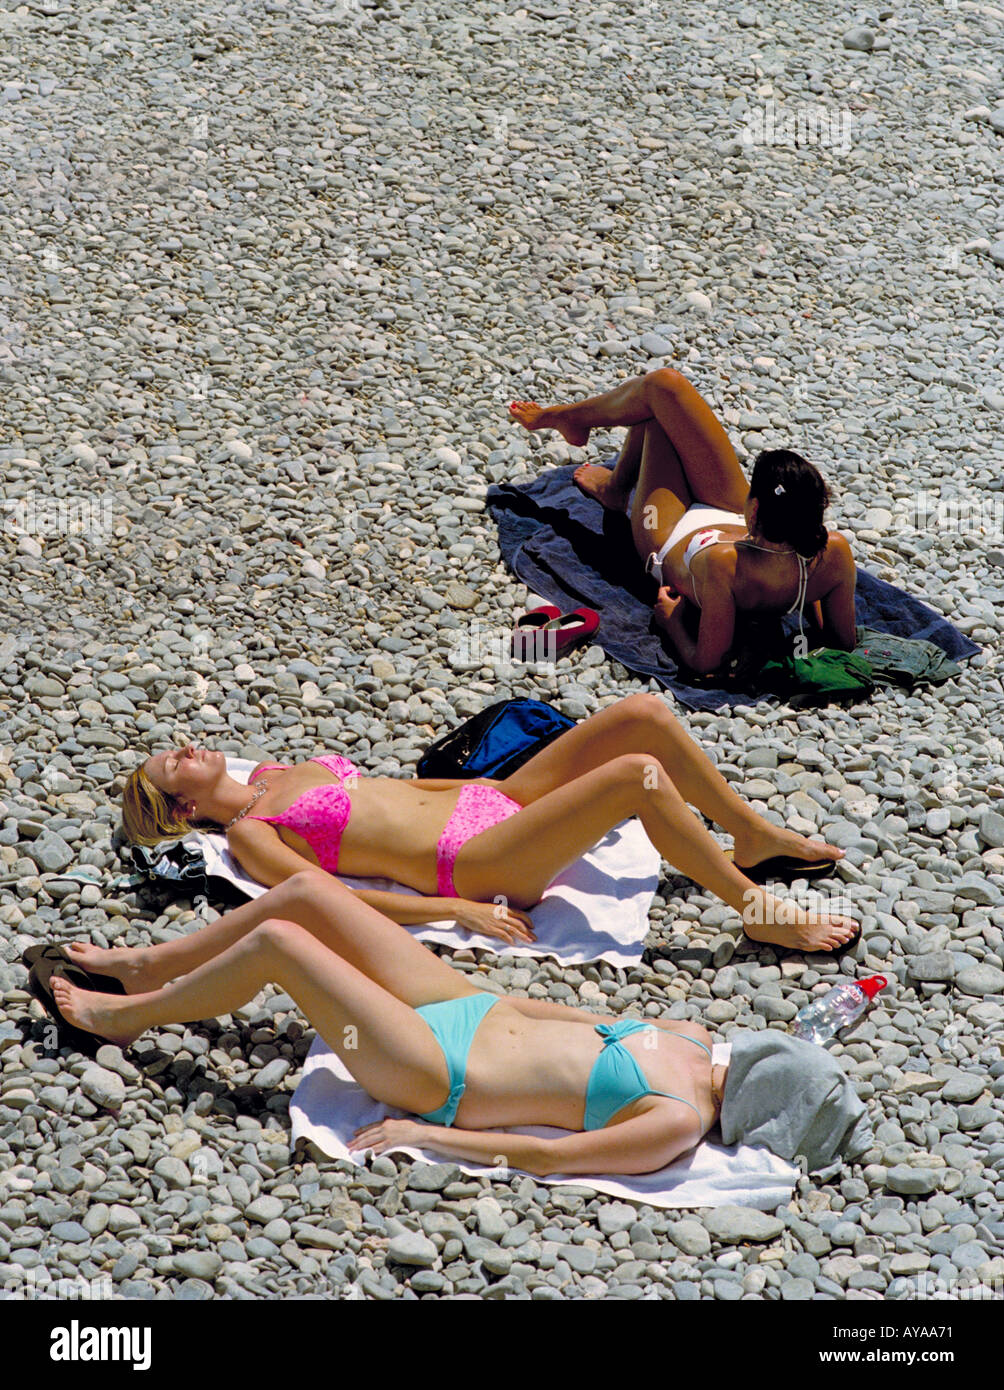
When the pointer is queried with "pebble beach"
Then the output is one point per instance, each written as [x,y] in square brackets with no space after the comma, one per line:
[271,273]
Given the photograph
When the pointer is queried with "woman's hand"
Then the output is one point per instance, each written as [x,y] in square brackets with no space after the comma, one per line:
[388,1134]
[495,919]
[668,600]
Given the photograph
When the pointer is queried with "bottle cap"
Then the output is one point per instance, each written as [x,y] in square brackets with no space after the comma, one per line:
[872,985]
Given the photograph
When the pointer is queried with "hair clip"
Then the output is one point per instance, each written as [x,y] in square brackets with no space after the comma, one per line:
[778,490]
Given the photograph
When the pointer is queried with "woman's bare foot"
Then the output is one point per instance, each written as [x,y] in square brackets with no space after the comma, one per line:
[782,922]
[765,841]
[596,482]
[106,1015]
[552,417]
[130,965]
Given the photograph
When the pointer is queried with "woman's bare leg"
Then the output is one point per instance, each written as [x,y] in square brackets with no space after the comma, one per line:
[332,913]
[613,487]
[663,493]
[522,855]
[654,471]
[709,460]
[644,724]
[385,1045]
[142,968]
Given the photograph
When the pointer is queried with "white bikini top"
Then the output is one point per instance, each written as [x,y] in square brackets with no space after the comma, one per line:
[703,539]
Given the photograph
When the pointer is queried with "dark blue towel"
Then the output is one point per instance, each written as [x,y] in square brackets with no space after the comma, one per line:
[567,548]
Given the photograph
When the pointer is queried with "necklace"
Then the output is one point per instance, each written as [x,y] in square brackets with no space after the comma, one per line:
[259,793]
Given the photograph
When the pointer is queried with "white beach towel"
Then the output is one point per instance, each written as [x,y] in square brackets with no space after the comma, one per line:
[597,909]
[328,1107]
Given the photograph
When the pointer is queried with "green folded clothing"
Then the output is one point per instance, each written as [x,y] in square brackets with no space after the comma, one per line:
[905,661]
[823,676]
[826,675]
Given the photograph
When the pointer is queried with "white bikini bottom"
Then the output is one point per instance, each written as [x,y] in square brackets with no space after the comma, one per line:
[696,518]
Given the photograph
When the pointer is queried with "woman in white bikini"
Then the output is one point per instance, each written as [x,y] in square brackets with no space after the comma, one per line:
[710,540]
[484,851]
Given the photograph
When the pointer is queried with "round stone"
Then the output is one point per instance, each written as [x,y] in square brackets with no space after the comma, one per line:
[913,1182]
[861,39]
[980,980]
[412,1248]
[103,1087]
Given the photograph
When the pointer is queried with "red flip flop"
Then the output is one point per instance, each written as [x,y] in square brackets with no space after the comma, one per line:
[571,628]
[524,636]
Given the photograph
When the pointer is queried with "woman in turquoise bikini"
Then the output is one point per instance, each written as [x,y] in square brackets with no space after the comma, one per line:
[633,1094]
[717,546]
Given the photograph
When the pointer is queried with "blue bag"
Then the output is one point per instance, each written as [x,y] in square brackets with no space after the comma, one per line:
[496,741]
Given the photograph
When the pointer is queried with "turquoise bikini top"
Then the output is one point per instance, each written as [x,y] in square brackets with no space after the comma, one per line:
[616,1078]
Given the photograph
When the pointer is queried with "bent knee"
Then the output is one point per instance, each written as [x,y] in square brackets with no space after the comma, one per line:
[645,707]
[637,771]
[666,379]
[309,884]
[276,933]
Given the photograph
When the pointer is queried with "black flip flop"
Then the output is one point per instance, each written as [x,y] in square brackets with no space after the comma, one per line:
[50,961]
[74,971]
[798,950]
[785,868]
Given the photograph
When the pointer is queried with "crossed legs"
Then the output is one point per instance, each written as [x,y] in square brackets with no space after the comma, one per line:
[357,976]
[635,758]
[676,451]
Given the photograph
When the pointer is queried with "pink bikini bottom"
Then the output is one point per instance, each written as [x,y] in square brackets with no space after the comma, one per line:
[478,808]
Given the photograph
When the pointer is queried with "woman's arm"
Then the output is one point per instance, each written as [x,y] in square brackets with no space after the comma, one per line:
[263,853]
[496,920]
[837,606]
[479,1146]
[718,614]
[640,1145]
[410,910]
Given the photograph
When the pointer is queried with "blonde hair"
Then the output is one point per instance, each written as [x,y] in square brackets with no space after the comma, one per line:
[150,815]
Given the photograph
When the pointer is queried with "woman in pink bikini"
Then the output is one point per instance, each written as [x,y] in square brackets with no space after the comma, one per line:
[711,541]
[483,852]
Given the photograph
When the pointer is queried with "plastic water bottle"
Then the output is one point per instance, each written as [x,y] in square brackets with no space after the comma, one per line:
[823,1018]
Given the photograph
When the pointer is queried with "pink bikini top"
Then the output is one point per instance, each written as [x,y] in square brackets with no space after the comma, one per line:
[320,814]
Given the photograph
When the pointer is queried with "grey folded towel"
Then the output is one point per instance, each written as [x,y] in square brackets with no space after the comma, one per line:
[792,1097]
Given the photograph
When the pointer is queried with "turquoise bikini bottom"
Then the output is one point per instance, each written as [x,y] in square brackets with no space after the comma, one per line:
[454,1023]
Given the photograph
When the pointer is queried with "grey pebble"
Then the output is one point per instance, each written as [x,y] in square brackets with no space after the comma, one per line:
[412,1248]
[264,1210]
[911,1181]
[104,1087]
[860,38]
[731,1225]
[198,1264]
[980,980]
